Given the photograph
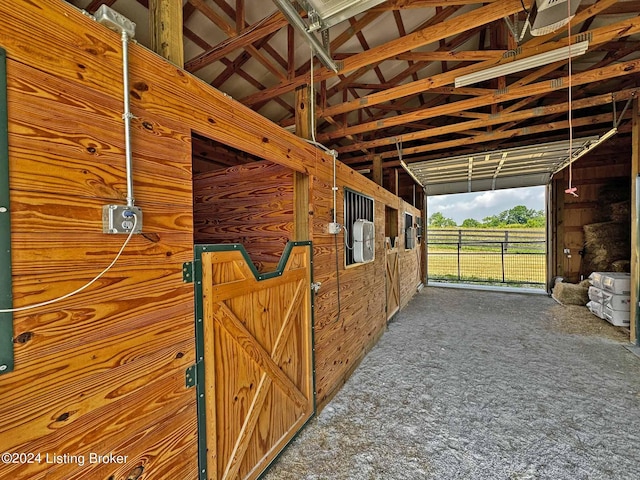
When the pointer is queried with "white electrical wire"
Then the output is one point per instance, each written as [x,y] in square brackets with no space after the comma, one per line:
[571,189]
[346,244]
[49,302]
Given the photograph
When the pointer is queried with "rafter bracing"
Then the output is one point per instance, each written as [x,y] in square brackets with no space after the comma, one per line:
[503,117]
[243,40]
[449,27]
[582,78]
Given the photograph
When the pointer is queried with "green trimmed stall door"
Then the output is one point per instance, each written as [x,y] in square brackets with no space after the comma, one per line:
[257,333]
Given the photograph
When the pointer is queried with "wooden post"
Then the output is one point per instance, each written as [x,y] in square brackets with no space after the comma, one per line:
[424,265]
[377,169]
[635,170]
[301,181]
[395,189]
[165,27]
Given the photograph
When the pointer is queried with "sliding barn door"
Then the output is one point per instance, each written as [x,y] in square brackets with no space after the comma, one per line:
[258,358]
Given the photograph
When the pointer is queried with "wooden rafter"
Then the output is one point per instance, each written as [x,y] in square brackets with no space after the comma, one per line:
[480,16]
[582,78]
[243,40]
[502,117]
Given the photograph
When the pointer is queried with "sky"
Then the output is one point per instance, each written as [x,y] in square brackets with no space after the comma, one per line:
[478,205]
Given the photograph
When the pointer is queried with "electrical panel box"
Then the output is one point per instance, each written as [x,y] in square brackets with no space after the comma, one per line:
[363,241]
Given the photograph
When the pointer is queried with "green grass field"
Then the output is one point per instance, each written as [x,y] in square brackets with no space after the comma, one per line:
[520,263]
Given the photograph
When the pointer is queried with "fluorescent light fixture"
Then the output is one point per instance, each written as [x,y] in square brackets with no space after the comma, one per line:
[534,61]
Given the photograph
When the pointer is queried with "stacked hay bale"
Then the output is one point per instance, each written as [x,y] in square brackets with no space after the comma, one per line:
[608,242]
[571,293]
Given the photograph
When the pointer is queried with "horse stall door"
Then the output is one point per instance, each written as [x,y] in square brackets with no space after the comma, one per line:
[392,277]
[258,357]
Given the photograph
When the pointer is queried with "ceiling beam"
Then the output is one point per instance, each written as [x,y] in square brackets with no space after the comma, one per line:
[451,56]
[406,4]
[582,78]
[598,36]
[433,33]
[245,39]
[502,117]
[491,136]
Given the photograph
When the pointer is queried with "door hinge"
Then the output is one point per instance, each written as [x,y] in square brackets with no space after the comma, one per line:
[191,377]
[188,272]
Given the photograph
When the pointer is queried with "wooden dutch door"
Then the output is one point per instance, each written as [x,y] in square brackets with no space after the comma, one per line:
[392,277]
[257,388]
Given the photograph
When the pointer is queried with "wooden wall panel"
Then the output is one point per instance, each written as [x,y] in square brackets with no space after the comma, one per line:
[104,370]
[344,333]
[250,204]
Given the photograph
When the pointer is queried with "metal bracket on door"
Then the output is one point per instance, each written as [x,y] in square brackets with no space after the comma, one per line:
[6,295]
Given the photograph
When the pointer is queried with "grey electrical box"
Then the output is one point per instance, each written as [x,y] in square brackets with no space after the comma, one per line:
[121,219]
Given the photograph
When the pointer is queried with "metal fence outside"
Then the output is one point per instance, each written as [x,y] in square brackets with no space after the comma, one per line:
[487,256]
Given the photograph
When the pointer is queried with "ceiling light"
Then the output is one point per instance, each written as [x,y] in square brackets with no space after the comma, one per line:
[534,61]
[547,16]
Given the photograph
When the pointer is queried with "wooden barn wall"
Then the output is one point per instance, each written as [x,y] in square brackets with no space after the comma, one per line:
[250,204]
[606,166]
[349,324]
[103,372]
[410,261]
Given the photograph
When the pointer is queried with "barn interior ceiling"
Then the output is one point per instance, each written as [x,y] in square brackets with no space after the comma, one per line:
[398,61]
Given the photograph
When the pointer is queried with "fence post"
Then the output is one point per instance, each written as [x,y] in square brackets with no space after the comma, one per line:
[502,255]
[459,278]
[506,240]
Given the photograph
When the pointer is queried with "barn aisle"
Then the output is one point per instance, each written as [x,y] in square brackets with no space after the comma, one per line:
[480,385]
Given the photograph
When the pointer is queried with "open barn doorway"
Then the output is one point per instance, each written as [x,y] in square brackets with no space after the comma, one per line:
[495,238]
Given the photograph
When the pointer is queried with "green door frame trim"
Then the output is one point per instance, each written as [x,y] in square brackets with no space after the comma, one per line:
[196,268]
[6,285]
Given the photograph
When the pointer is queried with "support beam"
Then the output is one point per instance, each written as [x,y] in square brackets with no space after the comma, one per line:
[635,224]
[485,120]
[165,26]
[377,169]
[597,36]
[447,28]
[302,182]
[589,76]
[604,119]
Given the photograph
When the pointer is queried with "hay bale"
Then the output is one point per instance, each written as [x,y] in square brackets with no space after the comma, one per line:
[621,212]
[571,293]
[604,233]
[623,266]
[605,243]
[617,190]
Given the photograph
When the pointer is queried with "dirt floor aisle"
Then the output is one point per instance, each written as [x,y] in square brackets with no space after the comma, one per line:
[481,385]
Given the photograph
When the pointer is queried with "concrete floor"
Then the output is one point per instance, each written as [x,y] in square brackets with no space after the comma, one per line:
[480,385]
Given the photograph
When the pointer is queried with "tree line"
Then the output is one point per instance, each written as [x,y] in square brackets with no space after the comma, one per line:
[518,216]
